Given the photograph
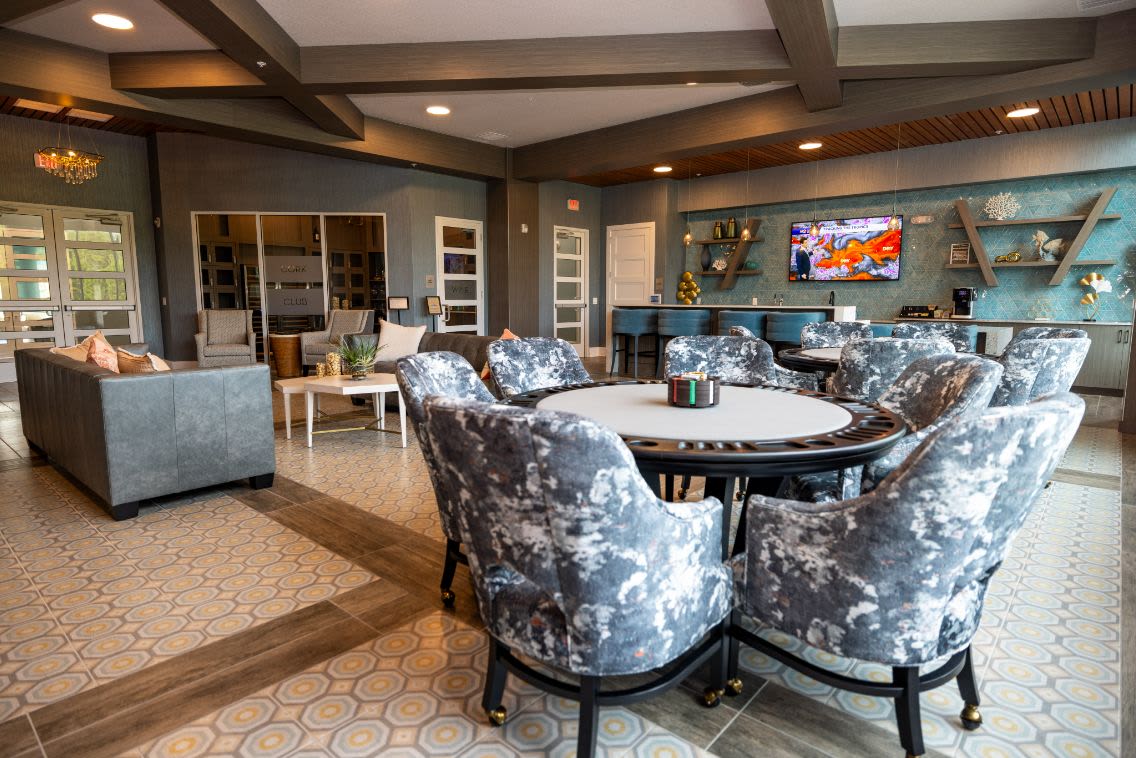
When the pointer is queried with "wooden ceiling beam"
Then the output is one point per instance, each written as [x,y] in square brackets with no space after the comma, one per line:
[781,115]
[810,35]
[245,32]
[14,10]
[186,74]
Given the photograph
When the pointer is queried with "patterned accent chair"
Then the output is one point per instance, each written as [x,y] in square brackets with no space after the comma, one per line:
[534,363]
[868,367]
[1038,367]
[773,372]
[898,576]
[314,346]
[1048,333]
[225,338]
[448,375]
[963,336]
[575,562]
[833,333]
[929,393]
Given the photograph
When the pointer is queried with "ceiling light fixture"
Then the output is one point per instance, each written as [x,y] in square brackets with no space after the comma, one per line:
[814,228]
[438,110]
[692,84]
[809,146]
[1029,110]
[111,21]
[663,169]
[688,238]
[70,164]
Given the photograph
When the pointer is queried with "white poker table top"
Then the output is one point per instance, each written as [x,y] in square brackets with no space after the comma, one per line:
[823,353]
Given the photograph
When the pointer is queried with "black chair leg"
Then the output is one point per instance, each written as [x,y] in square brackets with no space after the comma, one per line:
[635,371]
[968,688]
[719,671]
[907,709]
[669,490]
[626,355]
[495,685]
[733,649]
[683,486]
[589,716]
[660,346]
[614,354]
[448,568]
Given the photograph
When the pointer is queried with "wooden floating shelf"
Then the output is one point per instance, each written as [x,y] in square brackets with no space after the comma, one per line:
[743,272]
[723,241]
[1028,221]
[1033,264]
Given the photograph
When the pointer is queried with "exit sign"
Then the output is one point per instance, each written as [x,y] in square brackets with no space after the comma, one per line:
[573,204]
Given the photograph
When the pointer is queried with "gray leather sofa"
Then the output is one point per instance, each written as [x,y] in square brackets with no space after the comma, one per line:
[131,437]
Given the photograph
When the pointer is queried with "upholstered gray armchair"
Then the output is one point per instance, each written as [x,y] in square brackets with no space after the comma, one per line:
[533,363]
[448,375]
[314,346]
[898,576]
[772,372]
[929,392]
[225,338]
[963,336]
[833,333]
[575,562]
[1048,333]
[868,367]
[1038,367]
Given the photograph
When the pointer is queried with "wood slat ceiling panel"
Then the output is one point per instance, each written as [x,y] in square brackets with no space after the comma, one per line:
[1061,110]
[116,124]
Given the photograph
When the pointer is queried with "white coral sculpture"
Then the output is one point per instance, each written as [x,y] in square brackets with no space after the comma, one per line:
[1001,207]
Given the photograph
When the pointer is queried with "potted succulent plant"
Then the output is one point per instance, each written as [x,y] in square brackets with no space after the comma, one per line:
[359,353]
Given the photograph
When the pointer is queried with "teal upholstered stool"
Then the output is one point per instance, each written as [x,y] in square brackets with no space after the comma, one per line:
[678,323]
[752,320]
[631,324]
[785,327]
[881,330]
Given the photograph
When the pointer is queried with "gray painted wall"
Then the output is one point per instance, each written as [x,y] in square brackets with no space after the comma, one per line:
[122,185]
[554,212]
[200,173]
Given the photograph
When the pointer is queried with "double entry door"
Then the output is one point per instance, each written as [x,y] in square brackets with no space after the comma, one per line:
[64,274]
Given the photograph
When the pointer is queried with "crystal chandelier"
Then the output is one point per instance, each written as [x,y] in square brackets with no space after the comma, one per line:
[69,164]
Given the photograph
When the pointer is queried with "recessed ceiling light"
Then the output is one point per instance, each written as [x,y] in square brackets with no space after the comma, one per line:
[111,21]
[663,169]
[1023,112]
[691,84]
[88,115]
[809,146]
[36,105]
[438,110]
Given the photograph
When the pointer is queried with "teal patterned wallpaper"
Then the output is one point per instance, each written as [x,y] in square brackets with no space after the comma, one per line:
[924,278]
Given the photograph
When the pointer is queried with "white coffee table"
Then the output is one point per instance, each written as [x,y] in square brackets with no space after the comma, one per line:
[376,385]
[287,388]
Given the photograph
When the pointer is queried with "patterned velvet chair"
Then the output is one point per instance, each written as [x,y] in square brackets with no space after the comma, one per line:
[576,564]
[929,392]
[898,576]
[448,375]
[833,333]
[963,336]
[1048,333]
[1038,367]
[773,372]
[225,338]
[868,367]
[314,346]
[534,363]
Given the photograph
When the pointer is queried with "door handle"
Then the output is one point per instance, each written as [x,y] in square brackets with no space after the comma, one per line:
[1119,332]
[1127,334]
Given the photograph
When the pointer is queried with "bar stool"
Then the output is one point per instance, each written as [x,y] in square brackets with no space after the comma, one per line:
[752,320]
[785,327]
[881,330]
[678,323]
[631,324]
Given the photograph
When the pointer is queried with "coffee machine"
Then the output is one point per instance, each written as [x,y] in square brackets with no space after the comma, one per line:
[964,302]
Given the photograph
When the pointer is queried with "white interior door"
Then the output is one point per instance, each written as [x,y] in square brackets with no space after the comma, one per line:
[570,287]
[630,266]
[461,274]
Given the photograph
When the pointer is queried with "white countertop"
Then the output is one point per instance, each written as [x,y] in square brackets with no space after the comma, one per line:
[1031,322]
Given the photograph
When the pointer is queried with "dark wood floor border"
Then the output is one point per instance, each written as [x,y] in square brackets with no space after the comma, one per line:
[17,737]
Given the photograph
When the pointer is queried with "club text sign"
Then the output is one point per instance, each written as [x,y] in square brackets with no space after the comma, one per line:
[293,268]
[295,302]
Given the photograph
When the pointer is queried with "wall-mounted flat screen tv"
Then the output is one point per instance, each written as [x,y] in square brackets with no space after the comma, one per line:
[845,250]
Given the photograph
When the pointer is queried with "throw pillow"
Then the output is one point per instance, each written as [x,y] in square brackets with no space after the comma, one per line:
[129,363]
[505,335]
[75,352]
[102,353]
[398,341]
[158,363]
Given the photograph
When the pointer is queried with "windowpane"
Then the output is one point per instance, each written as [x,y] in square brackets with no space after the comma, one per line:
[460,289]
[19,288]
[462,315]
[23,257]
[91,230]
[568,268]
[21,225]
[568,315]
[97,289]
[26,321]
[83,259]
[569,334]
[456,263]
[101,319]
[8,347]
[568,291]
[455,236]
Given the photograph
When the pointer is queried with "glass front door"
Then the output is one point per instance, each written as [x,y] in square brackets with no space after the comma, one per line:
[461,275]
[570,287]
[64,274]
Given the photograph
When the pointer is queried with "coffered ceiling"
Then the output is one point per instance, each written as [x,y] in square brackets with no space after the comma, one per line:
[592,89]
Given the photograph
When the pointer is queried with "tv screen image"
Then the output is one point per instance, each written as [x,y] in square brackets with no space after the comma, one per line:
[850,249]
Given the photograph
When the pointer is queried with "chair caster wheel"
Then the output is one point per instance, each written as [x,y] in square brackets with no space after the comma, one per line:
[448,598]
[734,686]
[712,698]
[497,715]
[971,717]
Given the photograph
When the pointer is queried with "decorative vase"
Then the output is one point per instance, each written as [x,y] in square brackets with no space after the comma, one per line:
[717,230]
[321,370]
[704,259]
[334,364]
[732,228]
[359,373]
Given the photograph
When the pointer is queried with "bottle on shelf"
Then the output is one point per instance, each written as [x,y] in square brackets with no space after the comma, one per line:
[732,228]
[717,230]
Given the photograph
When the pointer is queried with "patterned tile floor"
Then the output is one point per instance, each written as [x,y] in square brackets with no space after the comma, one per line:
[1048,650]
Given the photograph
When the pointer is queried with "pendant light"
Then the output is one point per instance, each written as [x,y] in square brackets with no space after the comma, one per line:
[745,224]
[893,223]
[688,238]
[814,228]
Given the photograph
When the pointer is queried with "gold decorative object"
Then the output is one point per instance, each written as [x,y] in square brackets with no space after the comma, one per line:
[321,370]
[688,289]
[497,715]
[69,164]
[1013,257]
[1100,285]
[1093,299]
[334,364]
